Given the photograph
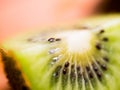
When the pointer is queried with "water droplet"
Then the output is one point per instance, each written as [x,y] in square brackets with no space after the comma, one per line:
[52,51]
[55,59]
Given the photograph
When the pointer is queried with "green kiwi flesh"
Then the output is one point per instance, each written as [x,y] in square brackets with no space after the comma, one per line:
[68,59]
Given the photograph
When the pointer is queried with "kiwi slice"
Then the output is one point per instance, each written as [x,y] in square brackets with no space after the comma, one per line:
[86,57]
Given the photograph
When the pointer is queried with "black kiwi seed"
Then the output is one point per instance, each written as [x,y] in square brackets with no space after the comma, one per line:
[57,71]
[87,68]
[55,74]
[64,71]
[99,74]
[78,68]
[72,66]
[102,31]
[104,67]
[106,59]
[105,39]
[58,39]
[67,64]
[90,74]
[95,67]
[97,71]
[51,40]
[98,46]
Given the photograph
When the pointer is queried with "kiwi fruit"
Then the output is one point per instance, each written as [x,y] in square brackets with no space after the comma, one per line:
[84,56]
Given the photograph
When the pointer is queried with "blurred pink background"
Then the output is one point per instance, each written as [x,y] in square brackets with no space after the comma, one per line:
[18,15]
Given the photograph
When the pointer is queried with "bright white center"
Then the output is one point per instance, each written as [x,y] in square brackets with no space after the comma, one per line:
[78,41]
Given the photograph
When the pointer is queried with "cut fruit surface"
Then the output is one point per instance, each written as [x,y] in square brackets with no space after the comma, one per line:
[67,59]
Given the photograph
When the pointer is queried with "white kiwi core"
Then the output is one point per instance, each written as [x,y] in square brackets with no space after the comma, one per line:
[78,45]
[78,41]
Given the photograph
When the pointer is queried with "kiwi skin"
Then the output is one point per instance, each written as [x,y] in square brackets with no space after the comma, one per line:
[16,78]
[14,56]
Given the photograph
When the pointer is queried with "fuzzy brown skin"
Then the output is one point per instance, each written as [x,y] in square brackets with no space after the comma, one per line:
[14,75]
[3,80]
